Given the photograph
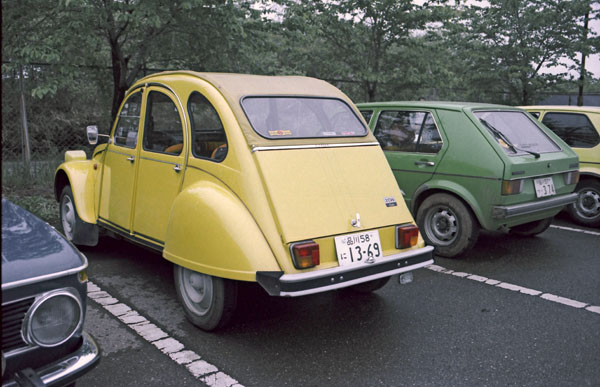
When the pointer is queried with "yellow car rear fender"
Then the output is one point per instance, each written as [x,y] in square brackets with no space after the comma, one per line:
[211,231]
[81,176]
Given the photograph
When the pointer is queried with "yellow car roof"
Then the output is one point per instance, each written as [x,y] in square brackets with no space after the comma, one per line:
[563,108]
[234,87]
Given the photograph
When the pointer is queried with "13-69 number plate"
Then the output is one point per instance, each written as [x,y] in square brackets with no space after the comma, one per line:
[354,248]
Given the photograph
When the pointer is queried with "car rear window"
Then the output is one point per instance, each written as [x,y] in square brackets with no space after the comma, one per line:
[575,129]
[516,132]
[302,117]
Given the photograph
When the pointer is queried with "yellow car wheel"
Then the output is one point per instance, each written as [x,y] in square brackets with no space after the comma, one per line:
[209,302]
[586,210]
[69,219]
[74,228]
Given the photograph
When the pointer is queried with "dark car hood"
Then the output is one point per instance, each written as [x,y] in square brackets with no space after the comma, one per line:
[31,248]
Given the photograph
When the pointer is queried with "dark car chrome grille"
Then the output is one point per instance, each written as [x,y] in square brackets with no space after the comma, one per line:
[12,319]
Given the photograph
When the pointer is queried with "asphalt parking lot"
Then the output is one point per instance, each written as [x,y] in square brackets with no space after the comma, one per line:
[513,311]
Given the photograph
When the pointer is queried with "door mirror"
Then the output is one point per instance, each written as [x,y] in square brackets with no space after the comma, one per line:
[92,134]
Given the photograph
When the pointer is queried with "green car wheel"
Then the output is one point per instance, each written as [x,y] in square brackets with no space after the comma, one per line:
[447,224]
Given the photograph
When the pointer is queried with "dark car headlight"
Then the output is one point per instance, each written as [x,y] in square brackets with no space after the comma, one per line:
[53,318]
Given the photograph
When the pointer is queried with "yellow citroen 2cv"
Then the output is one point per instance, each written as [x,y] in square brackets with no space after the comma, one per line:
[270,179]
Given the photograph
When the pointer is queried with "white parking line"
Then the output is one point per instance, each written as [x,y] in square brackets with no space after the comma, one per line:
[517,288]
[576,230]
[202,370]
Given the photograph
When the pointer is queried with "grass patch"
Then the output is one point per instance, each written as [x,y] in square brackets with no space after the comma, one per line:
[32,188]
[46,208]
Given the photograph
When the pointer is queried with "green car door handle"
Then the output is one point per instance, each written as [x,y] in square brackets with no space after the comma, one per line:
[428,163]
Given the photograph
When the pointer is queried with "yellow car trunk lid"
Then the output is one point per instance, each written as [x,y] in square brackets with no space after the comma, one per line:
[319,191]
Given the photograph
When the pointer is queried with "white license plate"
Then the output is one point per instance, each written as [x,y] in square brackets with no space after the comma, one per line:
[544,187]
[355,248]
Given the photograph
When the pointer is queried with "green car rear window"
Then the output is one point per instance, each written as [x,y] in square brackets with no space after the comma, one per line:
[516,132]
[302,117]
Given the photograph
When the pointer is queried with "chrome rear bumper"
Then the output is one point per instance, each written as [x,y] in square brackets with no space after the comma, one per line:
[276,283]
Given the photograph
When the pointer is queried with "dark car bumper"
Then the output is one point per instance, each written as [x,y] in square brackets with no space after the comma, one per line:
[63,371]
[276,283]
[504,212]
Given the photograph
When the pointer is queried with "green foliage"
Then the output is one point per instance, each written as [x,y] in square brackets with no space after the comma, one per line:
[503,47]
[372,49]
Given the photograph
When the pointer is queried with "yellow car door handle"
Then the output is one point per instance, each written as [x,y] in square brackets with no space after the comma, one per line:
[177,168]
[131,158]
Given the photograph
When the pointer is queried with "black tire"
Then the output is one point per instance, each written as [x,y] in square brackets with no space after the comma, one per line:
[209,302]
[532,228]
[586,210]
[75,230]
[447,224]
[370,286]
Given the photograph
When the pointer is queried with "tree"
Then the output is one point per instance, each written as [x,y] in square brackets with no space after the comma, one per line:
[588,42]
[506,45]
[137,35]
[366,42]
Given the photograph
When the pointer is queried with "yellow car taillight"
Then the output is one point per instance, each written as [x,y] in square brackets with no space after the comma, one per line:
[305,254]
[406,236]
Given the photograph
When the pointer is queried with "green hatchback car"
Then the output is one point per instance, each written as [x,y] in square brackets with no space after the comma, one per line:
[463,167]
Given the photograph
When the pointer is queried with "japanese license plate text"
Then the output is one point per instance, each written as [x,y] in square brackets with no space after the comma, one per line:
[359,247]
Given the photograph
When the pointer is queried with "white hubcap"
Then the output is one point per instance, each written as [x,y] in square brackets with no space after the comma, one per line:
[198,290]
[68,216]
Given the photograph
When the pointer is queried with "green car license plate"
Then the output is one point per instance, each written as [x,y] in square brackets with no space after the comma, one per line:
[544,187]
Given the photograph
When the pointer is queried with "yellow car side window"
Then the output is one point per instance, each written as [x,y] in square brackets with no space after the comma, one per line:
[163,132]
[126,131]
[208,135]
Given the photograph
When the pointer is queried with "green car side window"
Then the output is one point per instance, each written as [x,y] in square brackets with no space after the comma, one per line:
[430,140]
[408,131]
[367,114]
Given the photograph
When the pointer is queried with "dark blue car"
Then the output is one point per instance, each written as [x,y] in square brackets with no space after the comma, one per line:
[44,284]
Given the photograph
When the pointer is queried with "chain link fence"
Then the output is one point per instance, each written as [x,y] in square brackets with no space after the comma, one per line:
[55,122]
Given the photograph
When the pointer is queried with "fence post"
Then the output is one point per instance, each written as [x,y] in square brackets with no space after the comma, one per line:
[26,146]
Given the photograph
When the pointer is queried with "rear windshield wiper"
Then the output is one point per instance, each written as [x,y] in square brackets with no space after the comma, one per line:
[503,137]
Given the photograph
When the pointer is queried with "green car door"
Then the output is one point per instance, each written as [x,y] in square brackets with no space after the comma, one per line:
[413,146]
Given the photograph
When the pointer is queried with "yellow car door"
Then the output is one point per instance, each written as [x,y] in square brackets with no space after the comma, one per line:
[120,165]
[161,164]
